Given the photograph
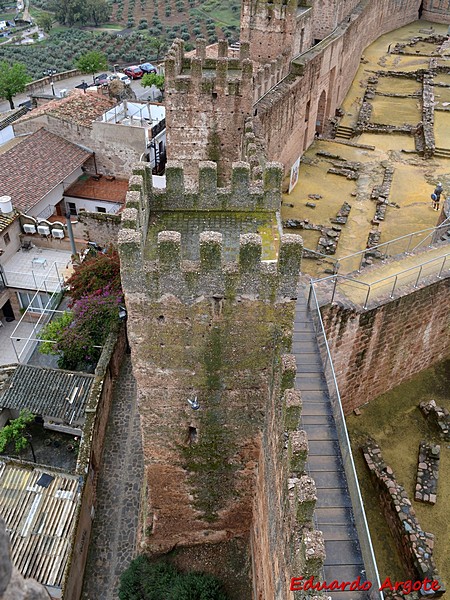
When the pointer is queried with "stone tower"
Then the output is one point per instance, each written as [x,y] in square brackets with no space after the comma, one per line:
[207,102]
[210,322]
[271,29]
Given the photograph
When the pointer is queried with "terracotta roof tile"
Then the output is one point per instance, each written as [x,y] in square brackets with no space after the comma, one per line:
[35,166]
[78,107]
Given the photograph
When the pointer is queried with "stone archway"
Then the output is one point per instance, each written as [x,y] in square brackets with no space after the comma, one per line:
[320,120]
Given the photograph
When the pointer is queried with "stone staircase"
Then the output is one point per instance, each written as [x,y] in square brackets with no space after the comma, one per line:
[442,152]
[344,132]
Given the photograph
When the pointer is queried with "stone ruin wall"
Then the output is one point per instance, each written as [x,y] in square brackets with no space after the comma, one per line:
[328,67]
[437,11]
[217,333]
[377,349]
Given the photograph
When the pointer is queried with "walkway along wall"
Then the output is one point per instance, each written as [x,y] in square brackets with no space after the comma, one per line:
[289,115]
[375,350]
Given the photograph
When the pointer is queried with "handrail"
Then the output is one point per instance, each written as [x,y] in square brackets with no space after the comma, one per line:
[432,230]
[362,528]
[394,276]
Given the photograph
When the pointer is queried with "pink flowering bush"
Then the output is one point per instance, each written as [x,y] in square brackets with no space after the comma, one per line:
[79,339]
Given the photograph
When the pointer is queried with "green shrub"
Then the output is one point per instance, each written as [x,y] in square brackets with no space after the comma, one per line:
[161,581]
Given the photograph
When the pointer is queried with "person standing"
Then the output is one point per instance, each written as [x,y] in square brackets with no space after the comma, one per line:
[437,193]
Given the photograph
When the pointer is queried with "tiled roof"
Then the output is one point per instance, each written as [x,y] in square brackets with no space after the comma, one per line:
[51,393]
[78,107]
[6,220]
[39,507]
[35,166]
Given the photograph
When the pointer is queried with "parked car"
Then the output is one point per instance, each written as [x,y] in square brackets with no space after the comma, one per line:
[148,68]
[101,79]
[121,77]
[134,72]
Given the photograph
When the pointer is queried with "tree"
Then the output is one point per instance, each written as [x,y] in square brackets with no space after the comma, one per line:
[92,62]
[15,433]
[45,22]
[13,79]
[98,11]
[80,336]
[69,12]
[159,45]
[150,79]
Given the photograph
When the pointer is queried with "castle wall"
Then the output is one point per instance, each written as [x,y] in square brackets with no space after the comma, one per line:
[375,350]
[288,115]
[437,11]
[214,332]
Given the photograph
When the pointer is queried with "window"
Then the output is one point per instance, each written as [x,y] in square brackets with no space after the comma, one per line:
[6,239]
[34,302]
[100,209]
[72,208]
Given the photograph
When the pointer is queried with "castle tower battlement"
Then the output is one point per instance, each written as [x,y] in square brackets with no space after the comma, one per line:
[210,276]
[249,190]
[207,102]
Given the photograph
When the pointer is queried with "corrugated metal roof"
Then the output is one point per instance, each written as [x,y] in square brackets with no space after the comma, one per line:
[52,393]
[40,519]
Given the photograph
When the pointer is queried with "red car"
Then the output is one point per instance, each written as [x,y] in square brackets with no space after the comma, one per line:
[133,72]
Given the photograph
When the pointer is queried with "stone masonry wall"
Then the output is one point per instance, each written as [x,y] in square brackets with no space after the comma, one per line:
[207,102]
[328,14]
[272,29]
[437,11]
[328,68]
[375,350]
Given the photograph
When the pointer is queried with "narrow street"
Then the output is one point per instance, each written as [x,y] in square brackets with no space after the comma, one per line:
[113,537]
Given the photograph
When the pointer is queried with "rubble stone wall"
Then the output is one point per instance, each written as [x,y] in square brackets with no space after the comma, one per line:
[415,545]
[376,349]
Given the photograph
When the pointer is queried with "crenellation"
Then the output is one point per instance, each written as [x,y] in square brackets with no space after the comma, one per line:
[246,193]
[187,280]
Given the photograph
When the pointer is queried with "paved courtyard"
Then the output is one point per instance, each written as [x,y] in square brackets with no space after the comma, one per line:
[113,537]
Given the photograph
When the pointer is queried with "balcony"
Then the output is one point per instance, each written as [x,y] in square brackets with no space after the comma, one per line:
[37,268]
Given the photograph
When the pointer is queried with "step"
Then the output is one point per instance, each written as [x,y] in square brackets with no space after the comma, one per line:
[339,532]
[304,367]
[333,498]
[333,516]
[323,448]
[316,410]
[312,396]
[345,573]
[330,480]
[317,419]
[342,552]
[324,463]
[317,433]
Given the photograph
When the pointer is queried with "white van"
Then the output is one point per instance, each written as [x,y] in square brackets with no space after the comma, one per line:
[121,77]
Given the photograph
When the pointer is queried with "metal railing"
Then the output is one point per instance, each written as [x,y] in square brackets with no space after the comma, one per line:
[346,451]
[411,276]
